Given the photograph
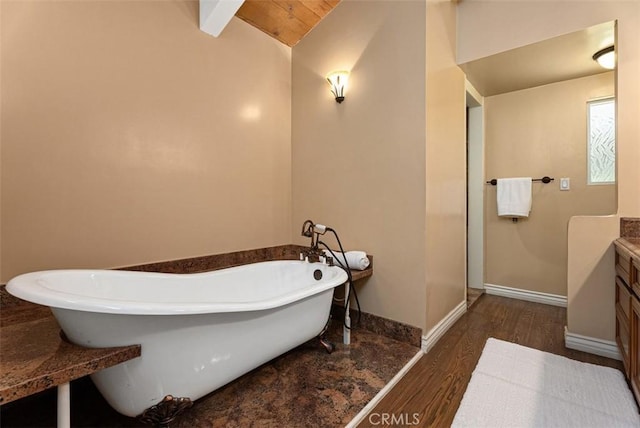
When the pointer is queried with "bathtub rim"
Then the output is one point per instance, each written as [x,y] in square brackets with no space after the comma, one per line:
[26,287]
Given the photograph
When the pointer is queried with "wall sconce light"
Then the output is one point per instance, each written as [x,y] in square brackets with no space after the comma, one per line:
[338,81]
[606,57]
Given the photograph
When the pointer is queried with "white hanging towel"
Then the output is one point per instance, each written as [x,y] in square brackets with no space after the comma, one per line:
[514,197]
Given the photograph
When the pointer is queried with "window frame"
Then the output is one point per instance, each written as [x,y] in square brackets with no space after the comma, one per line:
[596,101]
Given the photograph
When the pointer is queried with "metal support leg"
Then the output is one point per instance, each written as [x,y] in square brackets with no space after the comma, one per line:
[64,405]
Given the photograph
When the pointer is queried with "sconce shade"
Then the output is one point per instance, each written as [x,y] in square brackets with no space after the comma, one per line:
[606,57]
[338,81]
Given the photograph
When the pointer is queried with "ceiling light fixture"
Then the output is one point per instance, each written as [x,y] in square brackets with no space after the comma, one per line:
[338,81]
[606,57]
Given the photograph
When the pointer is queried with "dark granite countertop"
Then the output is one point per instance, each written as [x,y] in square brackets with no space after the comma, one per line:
[34,357]
[629,240]
[359,274]
[221,261]
[631,245]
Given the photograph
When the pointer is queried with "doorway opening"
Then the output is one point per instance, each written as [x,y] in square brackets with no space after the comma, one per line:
[475,194]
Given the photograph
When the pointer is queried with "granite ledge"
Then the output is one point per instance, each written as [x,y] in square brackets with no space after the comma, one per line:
[237,258]
[360,274]
[34,356]
[220,261]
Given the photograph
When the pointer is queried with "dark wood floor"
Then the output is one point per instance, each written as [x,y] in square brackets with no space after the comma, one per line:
[434,386]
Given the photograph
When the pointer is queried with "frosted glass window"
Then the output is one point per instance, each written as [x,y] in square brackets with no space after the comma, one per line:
[601,150]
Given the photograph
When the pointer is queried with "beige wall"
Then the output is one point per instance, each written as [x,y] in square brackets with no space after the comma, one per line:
[537,132]
[130,136]
[359,166]
[486,27]
[445,258]
[133,137]
[1,145]
[386,168]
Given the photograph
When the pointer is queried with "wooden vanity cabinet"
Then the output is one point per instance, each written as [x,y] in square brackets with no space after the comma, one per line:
[635,277]
[635,328]
[623,323]
[623,265]
[628,314]
[635,346]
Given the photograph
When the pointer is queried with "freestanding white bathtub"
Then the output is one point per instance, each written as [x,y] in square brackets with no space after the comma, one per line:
[197,331]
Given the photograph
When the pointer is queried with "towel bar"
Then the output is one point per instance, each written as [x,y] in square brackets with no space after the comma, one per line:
[544,179]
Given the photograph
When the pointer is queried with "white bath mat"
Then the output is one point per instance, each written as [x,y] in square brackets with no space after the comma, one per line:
[516,386]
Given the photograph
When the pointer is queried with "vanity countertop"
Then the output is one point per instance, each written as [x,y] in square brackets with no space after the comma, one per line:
[34,357]
[629,240]
[631,245]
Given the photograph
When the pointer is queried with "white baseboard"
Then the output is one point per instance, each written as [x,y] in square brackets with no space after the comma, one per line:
[433,335]
[528,295]
[604,348]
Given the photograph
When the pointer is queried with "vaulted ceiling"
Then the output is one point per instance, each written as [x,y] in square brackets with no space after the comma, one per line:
[286,20]
[564,57]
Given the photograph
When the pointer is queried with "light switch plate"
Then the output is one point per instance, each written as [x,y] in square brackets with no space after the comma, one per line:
[565,183]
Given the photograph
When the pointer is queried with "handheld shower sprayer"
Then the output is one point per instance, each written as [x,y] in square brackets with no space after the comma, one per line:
[320,229]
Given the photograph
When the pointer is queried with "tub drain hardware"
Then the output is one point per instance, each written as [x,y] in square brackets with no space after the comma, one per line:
[165,411]
[317,274]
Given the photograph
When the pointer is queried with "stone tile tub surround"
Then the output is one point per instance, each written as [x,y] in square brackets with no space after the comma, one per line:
[221,261]
[385,327]
[237,258]
[392,329]
[379,325]
[370,323]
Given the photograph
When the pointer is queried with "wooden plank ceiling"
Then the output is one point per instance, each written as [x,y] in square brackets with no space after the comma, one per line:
[285,20]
